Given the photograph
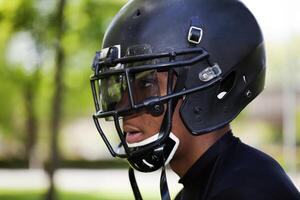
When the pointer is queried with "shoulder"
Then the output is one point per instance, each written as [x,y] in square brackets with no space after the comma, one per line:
[248,154]
[246,193]
[244,158]
[241,193]
[247,172]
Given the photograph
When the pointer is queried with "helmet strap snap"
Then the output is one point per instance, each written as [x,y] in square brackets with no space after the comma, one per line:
[156,109]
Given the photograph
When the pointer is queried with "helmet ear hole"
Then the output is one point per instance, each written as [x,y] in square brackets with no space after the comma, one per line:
[226,85]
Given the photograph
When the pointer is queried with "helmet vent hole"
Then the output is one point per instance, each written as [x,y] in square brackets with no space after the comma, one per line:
[244,79]
[226,86]
[138,13]
[221,95]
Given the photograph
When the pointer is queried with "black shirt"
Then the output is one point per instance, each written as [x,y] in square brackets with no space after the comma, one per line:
[232,170]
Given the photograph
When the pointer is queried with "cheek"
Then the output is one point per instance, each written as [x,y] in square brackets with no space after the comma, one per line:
[162,78]
[151,125]
[179,129]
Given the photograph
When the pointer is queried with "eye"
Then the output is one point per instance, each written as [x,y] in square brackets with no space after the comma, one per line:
[146,83]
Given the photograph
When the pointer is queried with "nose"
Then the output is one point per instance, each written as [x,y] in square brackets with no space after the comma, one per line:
[134,119]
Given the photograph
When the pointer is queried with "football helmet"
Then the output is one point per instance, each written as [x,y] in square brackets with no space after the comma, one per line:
[214,48]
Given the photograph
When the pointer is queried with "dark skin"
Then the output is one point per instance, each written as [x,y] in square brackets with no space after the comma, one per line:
[143,125]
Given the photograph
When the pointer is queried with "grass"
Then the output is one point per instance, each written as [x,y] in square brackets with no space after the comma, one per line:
[62,195]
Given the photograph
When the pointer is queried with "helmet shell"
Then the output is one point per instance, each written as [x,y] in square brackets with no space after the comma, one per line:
[231,36]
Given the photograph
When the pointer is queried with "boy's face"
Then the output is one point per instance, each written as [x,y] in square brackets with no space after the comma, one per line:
[141,126]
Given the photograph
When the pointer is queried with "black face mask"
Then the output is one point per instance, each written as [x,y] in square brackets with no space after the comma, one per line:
[123,86]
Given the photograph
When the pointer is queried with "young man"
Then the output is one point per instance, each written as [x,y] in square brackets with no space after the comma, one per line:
[171,76]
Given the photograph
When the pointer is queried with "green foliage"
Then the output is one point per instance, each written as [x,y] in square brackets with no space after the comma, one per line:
[85,24]
[21,195]
[40,195]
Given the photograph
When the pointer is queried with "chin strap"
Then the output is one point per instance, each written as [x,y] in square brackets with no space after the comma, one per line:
[164,190]
[134,186]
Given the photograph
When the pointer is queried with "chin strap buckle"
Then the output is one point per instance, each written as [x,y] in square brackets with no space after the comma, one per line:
[195,32]
[195,35]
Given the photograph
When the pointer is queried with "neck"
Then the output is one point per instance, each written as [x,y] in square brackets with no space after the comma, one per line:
[192,148]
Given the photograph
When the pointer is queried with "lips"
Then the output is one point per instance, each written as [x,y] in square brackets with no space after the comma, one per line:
[134,137]
[133,134]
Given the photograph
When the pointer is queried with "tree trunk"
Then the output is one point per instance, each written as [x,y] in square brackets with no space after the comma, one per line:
[56,101]
[31,118]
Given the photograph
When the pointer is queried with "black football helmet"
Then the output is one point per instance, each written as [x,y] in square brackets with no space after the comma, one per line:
[214,48]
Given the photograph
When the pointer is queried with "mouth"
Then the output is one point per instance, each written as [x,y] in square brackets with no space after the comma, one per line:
[133,135]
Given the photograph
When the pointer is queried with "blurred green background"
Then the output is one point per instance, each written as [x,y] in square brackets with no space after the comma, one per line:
[46,50]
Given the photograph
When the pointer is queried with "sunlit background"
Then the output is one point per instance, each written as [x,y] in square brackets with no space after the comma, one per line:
[47,136]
